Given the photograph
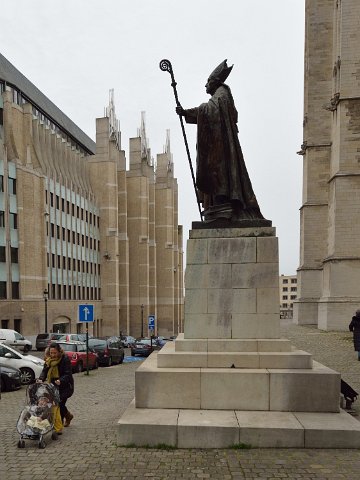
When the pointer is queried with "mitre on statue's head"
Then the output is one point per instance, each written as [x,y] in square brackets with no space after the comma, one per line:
[221,72]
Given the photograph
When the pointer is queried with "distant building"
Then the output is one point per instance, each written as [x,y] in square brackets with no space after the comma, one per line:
[76,227]
[288,294]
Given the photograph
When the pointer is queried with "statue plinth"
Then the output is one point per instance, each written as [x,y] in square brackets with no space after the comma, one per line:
[230,378]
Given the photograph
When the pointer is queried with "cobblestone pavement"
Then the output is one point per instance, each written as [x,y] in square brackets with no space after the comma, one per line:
[88,448]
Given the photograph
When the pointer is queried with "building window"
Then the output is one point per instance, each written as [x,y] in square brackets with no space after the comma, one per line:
[14,255]
[293,289]
[51,199]
[2,254]
[57,202]
[293,297]
[285,280]
[15,289]
[2,219]
[13,220]
[3,290]
[63,205]
[5,323]
[293,280]
[1,183]
[285,297]
[284,305]
[52,229]
[285,289]
[12,185]
[17,324]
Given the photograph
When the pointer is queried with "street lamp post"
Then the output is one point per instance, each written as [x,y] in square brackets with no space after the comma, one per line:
[142,320]
[46,294]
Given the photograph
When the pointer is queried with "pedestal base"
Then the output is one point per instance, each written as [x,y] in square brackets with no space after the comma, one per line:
[223,429]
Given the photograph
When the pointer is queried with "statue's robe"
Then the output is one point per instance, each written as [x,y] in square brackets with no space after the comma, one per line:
[221,174]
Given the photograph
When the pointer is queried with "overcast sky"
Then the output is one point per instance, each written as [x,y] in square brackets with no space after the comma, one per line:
[74,51]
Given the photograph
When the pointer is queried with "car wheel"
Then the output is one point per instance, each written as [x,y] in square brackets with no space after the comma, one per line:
[26,348]
[121,358]
[96,365]
[21,444]
[27,376]
[79,367]
[110,362]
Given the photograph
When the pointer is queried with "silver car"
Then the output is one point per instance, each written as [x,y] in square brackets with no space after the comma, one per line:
[29,366]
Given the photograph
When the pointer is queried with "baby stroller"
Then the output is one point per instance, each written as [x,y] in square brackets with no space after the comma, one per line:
[36,419]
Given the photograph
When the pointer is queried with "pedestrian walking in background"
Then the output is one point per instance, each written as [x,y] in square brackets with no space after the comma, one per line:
[57,370]
[354,327]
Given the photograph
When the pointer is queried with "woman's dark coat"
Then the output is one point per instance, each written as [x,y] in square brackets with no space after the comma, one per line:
[355,328]
[66,387]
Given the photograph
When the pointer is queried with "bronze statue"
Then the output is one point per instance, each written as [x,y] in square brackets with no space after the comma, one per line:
[222,180]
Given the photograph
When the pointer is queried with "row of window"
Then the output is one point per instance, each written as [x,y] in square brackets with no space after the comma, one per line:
[285,280]
[292,297]
[73,292]
[5,323]
[285,305]
[15,291]
[11,185]
[292,289]
[13,220]
[73,264]
[76,211]
[14,254]
[69,235]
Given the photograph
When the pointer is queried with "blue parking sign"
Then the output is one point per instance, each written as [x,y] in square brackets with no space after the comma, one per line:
[86,313]
[151,320]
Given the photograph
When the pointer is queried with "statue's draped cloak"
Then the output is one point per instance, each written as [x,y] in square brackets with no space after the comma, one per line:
[220,168]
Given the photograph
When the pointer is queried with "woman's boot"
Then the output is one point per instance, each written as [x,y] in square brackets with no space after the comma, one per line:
[68,417]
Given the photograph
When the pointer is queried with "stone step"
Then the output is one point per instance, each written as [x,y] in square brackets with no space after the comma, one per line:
[222,429]
[316,389]
[169,358]
[231,345]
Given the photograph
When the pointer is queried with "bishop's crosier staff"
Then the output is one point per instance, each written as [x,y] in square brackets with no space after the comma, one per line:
[165,66]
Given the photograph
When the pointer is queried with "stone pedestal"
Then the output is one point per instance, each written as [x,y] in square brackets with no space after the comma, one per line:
[230,377]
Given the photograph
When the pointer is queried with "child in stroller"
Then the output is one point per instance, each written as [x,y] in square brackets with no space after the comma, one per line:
[36,419]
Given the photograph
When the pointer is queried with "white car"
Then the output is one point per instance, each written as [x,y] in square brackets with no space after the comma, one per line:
[29,366]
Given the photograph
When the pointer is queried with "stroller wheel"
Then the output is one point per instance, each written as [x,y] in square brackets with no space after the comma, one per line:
[54,436]
[21,444]
[42,444]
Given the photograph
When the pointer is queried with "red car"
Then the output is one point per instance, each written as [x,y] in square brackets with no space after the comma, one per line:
[76,351]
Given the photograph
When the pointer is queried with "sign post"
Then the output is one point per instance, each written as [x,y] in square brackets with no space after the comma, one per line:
[151,326]
[86,315]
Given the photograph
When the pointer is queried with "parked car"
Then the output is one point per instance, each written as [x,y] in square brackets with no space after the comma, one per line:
[42,341]
[108,349]
[10,378]
[76,351]
[127,340]
[14,339]
[29,366]
[54,337]
[143,347]
[72,337]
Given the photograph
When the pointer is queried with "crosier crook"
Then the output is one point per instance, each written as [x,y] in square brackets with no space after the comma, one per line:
[165,66]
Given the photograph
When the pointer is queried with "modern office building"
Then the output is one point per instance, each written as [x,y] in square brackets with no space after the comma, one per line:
[77,228]
[288,294]
[329,270]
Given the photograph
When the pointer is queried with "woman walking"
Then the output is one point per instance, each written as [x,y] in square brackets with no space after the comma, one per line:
[57,370]
[355,328]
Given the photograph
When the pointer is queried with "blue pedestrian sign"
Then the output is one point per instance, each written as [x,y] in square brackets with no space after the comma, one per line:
[86,313]
[151,320]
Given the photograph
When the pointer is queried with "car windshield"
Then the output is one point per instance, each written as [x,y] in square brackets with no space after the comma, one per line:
[96,343]
[56,336]
[68,347]
[145,341]
[42,336]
